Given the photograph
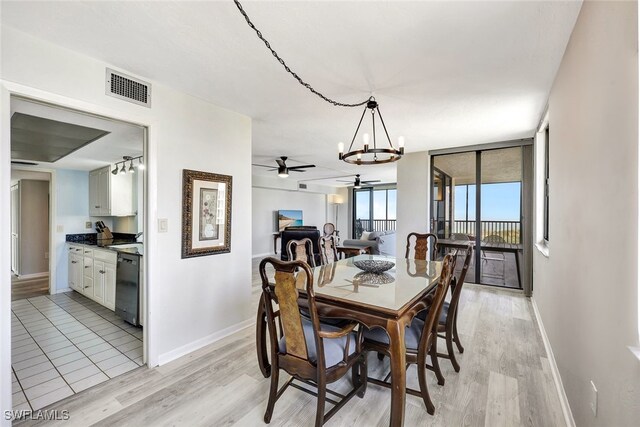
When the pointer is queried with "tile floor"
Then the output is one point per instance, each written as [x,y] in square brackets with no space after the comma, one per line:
[65,343]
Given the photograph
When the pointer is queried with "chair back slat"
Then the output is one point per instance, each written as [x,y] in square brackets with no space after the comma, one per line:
[448,265]
[456,285]
[328,249]
[287,294]
[301,250]
[421,245]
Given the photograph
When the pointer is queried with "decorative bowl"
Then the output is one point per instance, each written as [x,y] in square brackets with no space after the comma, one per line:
[376,266]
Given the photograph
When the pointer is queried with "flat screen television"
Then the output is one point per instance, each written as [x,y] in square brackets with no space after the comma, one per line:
[289,218]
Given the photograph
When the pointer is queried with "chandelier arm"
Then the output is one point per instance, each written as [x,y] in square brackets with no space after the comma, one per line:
[385,128]
[357,129]
[286,67]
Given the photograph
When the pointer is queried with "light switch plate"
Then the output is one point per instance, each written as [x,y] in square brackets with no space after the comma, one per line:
[594,399]
[163,225]
[88,224]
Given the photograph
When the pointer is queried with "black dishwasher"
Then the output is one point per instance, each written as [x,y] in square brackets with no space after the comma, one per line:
[128,287]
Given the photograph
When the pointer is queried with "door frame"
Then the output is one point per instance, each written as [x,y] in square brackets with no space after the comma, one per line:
[52,218]
[526,203]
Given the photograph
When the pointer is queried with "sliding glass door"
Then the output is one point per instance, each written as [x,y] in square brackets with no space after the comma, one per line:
[477,196]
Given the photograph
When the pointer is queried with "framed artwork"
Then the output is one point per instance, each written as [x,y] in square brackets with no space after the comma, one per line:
[206,213]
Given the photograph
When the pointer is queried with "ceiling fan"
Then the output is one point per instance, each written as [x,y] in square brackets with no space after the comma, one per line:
[283,169]
[357,183]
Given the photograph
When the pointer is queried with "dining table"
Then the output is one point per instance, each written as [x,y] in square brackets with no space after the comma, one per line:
[389,300]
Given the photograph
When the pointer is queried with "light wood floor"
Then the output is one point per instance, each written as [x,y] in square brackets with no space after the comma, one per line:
[505,380]
[28,288]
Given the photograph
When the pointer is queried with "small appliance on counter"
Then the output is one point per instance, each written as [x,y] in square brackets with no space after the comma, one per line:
[128,287]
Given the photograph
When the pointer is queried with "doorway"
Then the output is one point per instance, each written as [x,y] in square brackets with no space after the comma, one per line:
[73,336]
[30,231]
[481,196]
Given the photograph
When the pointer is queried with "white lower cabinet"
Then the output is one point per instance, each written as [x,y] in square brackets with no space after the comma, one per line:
[94,274]
[98,281]
[110,286]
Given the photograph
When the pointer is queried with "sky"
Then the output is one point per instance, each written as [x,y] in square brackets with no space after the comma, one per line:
[500,202]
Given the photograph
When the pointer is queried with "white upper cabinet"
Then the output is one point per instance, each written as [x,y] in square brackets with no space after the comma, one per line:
[109,194]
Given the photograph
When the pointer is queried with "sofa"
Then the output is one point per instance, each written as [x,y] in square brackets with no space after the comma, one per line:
[381,242]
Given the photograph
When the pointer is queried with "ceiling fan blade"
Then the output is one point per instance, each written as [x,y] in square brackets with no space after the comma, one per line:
[281,163]
[262,166]
[302,167]
[342,180]
[368,182]
[295,170]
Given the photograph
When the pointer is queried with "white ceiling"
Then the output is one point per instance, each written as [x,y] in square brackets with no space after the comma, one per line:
[445,73]
[124,139]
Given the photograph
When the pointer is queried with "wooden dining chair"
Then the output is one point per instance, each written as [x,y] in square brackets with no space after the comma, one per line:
[448,322]
[328,249]
[421,245]
[420,338]
[301,250]
[312,353]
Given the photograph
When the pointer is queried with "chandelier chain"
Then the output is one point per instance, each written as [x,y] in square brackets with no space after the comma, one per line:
[286,67]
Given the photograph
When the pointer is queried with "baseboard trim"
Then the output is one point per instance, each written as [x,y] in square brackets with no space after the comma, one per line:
[266,254]
[59,291]
[564,401]
[198,344]
[33,275]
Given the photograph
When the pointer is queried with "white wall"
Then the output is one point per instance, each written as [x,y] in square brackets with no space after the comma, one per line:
[413,197]
[72,212]
[587,289]
[191,302]
[273,194]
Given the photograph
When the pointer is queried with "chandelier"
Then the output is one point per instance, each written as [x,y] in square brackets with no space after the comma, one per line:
[373,155]
[366,155]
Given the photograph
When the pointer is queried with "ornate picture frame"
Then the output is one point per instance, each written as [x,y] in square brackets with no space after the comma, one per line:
[206,213]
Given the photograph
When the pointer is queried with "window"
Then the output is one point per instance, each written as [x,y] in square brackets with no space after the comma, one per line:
[374,210]
[545,234]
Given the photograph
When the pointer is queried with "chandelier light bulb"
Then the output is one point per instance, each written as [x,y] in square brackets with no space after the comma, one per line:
[401,142]
[340,147]
[365,141]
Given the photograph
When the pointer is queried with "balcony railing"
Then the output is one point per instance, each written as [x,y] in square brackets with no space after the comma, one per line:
[508,230]
[377,225]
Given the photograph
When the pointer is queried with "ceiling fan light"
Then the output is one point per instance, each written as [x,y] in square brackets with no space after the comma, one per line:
[283,172]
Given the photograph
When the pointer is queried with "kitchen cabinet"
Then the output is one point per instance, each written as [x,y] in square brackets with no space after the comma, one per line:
[75,267]
[92,272]
[109,194]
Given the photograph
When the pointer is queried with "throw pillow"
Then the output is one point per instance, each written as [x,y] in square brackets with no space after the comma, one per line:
[365,235]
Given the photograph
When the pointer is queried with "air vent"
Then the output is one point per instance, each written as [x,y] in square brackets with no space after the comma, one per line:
[127,88]
[18,162]
[302,186]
